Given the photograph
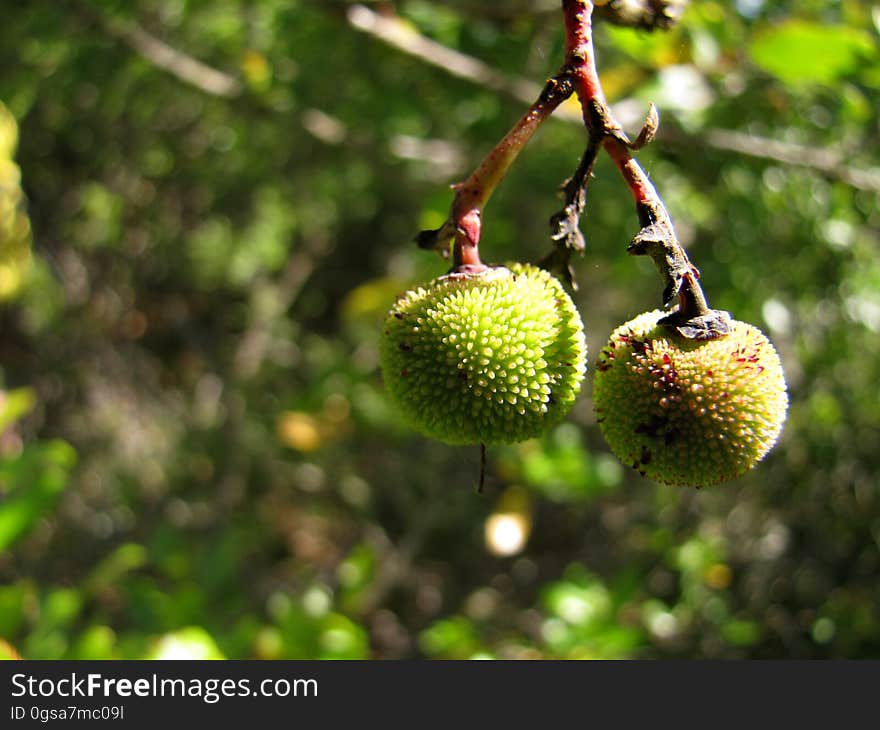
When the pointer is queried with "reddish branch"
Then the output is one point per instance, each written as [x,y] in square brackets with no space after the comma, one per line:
[597,116]
[472,194]
[656,239]
[580,57]
[642,189]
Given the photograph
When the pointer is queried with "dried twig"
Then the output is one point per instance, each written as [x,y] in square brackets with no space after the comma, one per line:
[400,36]
[644,14]
[409,41]
[823,159]
[176,62]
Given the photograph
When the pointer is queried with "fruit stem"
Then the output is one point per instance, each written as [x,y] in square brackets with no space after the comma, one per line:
[578,74]
[464,223]
[657,237]
[472,194]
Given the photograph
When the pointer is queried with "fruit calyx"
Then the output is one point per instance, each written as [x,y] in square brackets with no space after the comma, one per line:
[465,271]
[713,325]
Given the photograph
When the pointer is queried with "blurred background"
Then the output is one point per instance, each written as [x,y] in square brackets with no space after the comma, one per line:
[206,209]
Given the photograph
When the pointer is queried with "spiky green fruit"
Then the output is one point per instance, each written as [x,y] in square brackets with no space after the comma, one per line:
[492,357]
[689,412]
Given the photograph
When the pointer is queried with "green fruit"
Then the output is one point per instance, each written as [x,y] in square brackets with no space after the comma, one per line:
[689,412]
[490,357]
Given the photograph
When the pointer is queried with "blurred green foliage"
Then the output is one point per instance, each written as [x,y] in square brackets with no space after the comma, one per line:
[196,456]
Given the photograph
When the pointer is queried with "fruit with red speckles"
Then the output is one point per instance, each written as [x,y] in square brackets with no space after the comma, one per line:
[689,412]
[494,356]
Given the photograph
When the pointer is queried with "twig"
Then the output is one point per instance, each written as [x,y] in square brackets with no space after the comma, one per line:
[565,229]
[220,83]
[278,297]
[176,62]
[693,318]
[644,14]
[400,36]
[464,223]
[825,160]
[578,72]
[468,68]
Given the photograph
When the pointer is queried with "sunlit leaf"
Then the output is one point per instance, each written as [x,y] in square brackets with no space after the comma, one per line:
[95,642]
[652,49]
[192,642]
[799,52]
[342,638]
[579,604]
[7,651]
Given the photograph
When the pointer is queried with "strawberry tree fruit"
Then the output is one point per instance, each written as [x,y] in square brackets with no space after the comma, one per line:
[492,356]
[689,412]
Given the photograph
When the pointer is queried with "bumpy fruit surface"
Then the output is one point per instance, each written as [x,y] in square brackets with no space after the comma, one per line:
[494,357]
[689,412]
